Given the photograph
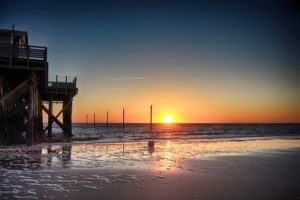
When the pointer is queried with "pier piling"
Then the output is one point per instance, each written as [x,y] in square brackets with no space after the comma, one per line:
[50,121]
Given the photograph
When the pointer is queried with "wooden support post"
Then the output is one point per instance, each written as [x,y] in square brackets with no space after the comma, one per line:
[2,116]
[150,118]
[31,110]
[36,129]
[40,120]
[106,118]
[123,118]
[2,92]
[50,121]
[94,119]
[86,119]
[67,117]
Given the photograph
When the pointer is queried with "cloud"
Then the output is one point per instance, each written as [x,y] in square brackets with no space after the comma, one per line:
[129,78]
[116,89]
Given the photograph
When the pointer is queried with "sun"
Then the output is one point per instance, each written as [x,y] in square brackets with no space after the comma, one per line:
[168,119]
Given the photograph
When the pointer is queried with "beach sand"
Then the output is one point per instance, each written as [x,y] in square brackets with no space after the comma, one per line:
[176,170]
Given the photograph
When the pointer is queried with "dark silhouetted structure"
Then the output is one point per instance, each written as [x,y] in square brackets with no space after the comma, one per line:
[25,88]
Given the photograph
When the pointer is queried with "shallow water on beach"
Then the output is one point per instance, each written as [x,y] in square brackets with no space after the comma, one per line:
[165,155]
[135,132]
[26,171]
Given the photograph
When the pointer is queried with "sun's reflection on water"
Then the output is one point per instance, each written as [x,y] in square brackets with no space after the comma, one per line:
[169,156]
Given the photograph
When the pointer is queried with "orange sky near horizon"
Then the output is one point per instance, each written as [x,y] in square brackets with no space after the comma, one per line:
[183,105]
[187,101]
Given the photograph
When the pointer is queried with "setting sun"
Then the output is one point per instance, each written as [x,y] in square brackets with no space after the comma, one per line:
[168,119]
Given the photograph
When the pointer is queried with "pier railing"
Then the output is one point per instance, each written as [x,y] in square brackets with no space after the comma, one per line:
[65,85]
[62,81]
[18,53]
[22,51]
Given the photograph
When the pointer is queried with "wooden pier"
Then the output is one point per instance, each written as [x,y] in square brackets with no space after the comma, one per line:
[25,90]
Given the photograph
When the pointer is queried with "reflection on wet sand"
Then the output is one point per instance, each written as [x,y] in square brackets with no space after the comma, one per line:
[62,153]
[54,171]
[151,149]
[35,157]
[168,154]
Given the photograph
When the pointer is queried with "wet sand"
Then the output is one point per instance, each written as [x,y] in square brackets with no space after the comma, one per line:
[176,170]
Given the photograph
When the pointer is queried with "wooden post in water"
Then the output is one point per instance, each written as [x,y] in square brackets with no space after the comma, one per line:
[123,118]
[106,118]
[150,118]
[94,119]
[86,119]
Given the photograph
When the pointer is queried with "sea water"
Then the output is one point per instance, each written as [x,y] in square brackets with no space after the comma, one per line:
[134,132]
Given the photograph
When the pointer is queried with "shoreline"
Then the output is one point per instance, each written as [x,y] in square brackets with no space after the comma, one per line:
[61,141]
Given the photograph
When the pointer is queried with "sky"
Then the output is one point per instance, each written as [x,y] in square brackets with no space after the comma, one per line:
[197,61]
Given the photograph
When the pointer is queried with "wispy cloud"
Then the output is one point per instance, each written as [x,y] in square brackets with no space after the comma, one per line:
[129,78]
[116,89]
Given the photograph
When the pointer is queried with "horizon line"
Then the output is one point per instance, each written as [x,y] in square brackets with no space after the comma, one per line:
[190,123]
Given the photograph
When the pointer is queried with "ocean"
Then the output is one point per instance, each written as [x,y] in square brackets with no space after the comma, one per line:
[135,132]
